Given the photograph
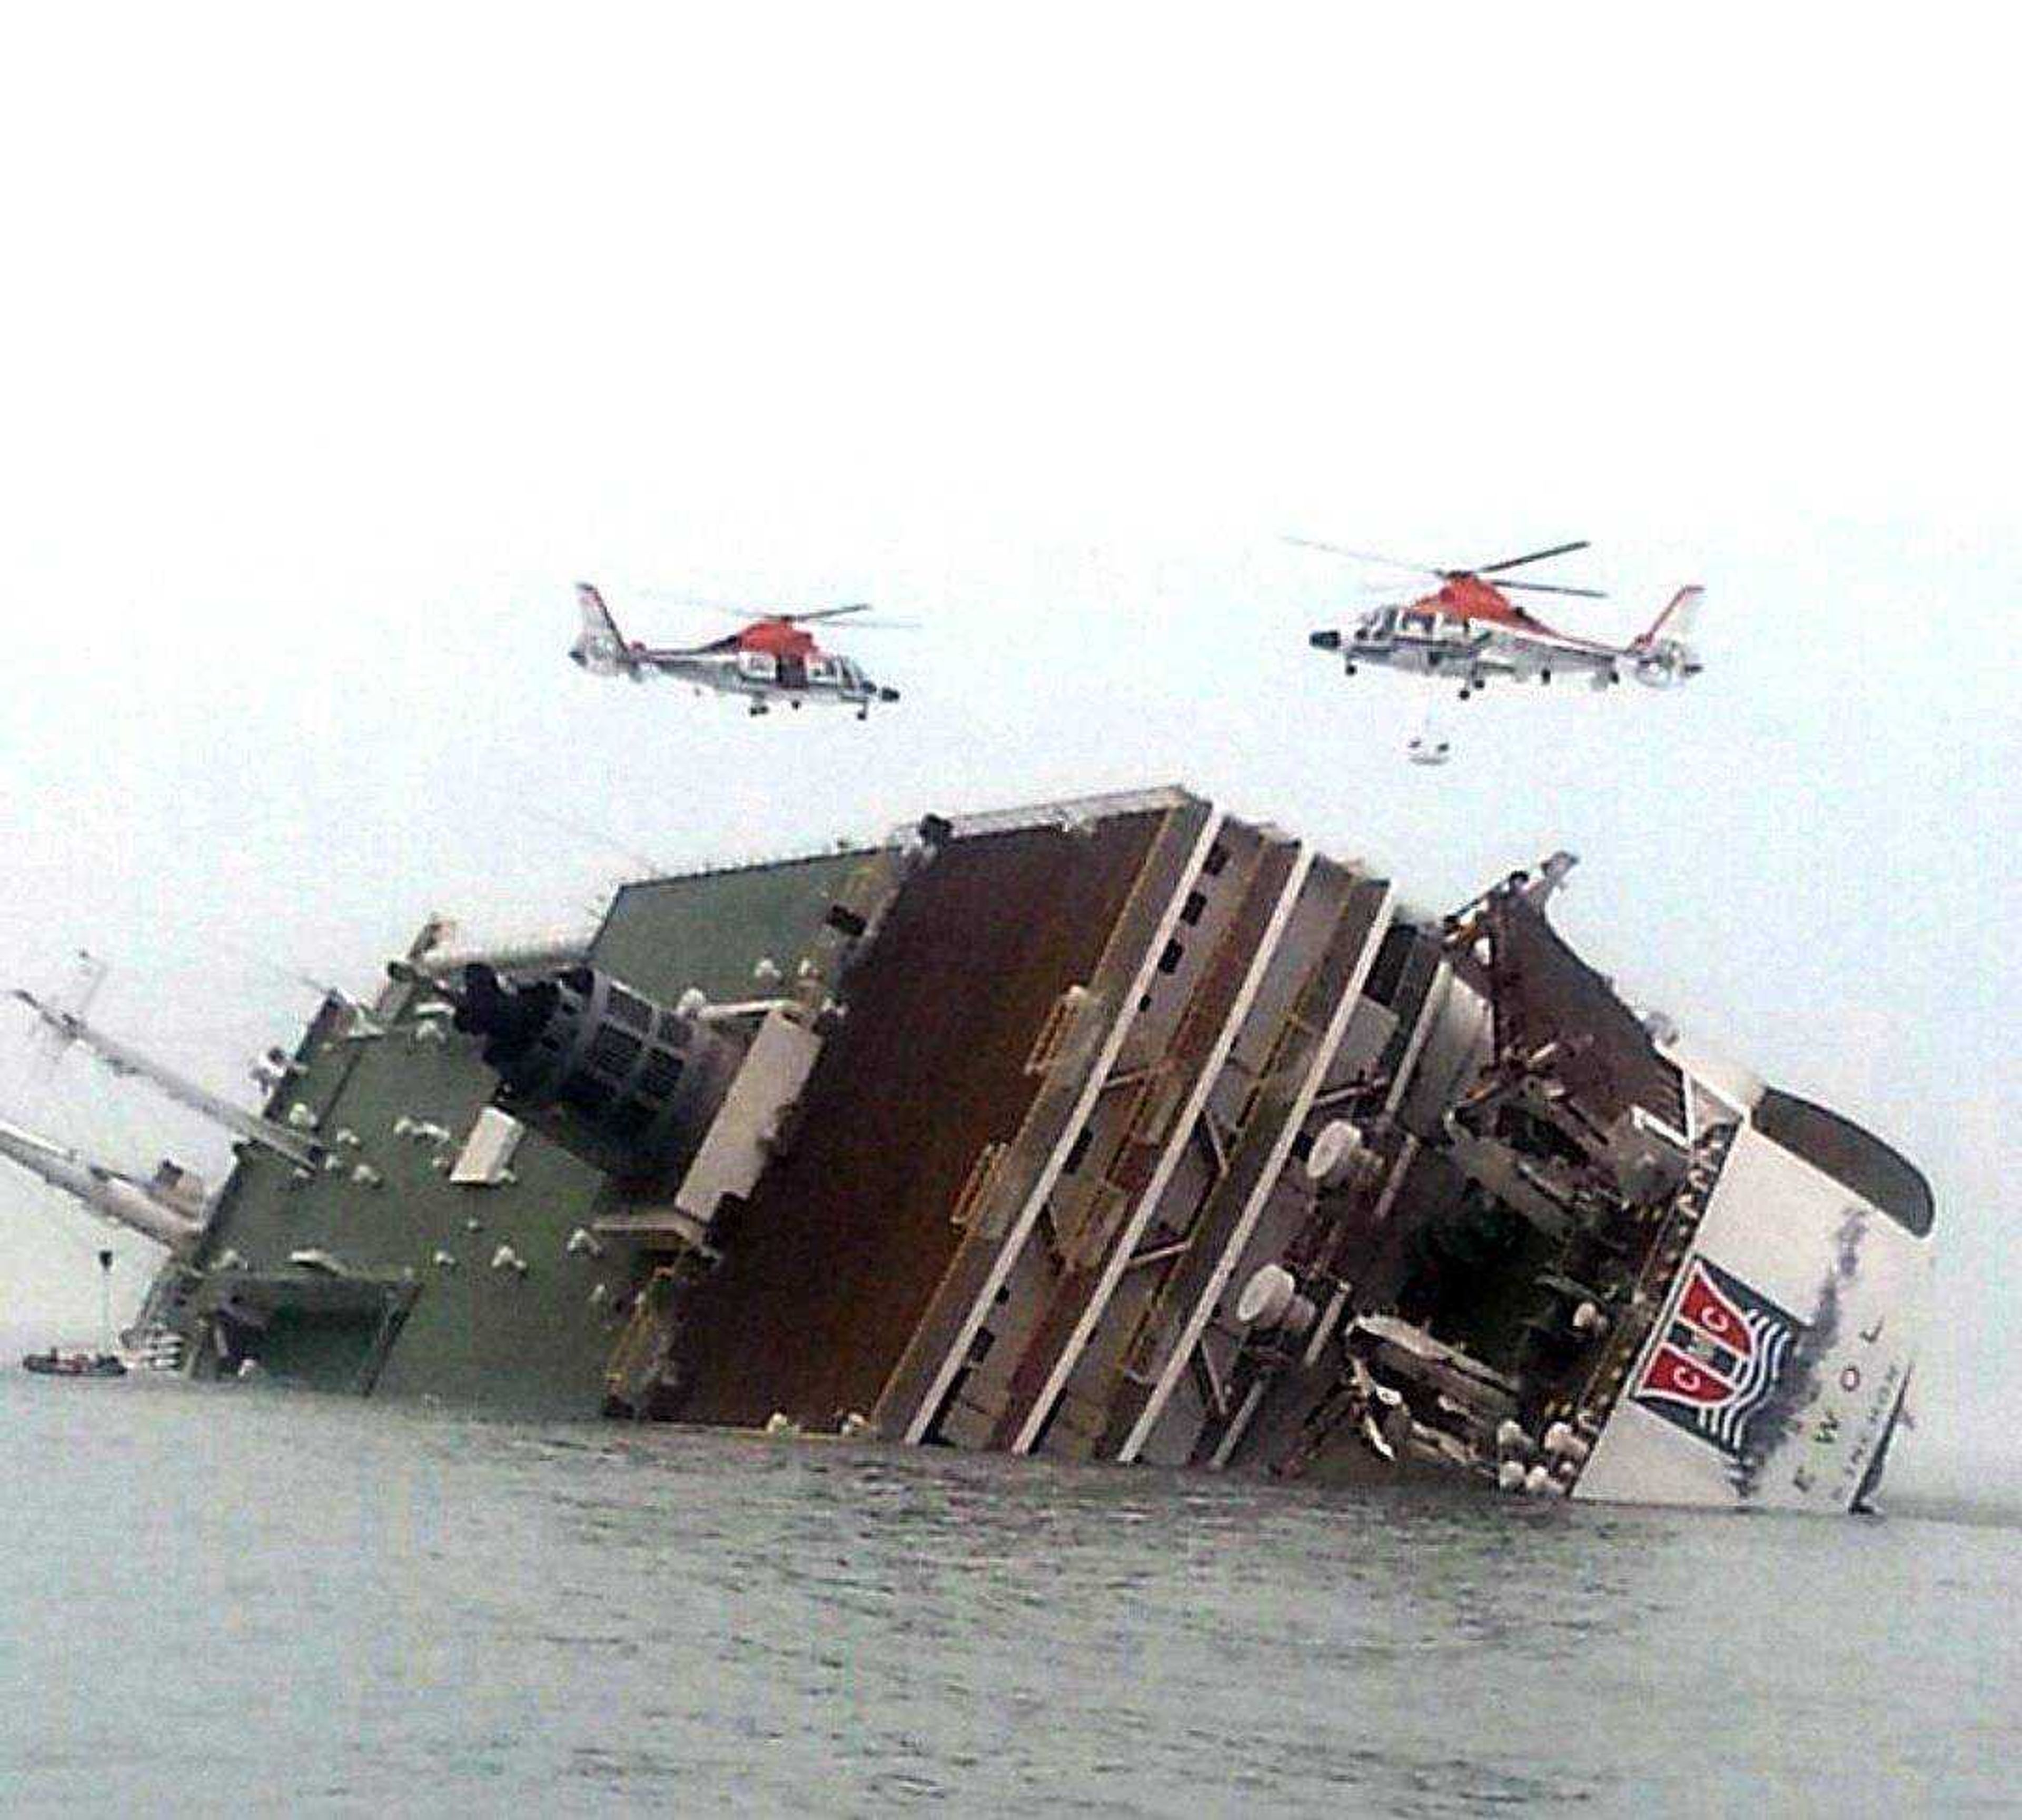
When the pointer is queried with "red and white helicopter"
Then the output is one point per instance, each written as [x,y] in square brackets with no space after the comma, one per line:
[1468,628]
[771,659]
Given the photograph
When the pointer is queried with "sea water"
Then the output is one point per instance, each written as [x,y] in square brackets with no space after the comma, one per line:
[222,1600]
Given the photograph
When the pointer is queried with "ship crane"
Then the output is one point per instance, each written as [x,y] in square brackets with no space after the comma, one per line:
[164,1210]
[123,1058]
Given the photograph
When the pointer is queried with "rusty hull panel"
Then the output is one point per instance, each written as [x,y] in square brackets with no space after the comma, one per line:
[908,1404]
[831,1265]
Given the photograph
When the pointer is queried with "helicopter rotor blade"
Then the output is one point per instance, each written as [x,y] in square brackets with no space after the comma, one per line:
[751,614]
[1535,556]
[1367,556]
[821,613]
[704,603]
[744,609]
[855,625]
[755,615]
[1547,587]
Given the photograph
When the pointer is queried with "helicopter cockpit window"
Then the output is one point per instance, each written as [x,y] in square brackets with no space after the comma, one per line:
[848,673]
[758,665]
[822,669]
[1421,624]
[1380,623]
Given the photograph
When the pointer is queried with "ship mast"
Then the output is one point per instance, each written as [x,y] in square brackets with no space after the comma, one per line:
[106,1192]
[123,1058]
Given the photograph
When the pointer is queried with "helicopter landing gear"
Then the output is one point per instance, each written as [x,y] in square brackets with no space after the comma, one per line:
[863,713]
[1545,677]
[1349,668]
[758,708]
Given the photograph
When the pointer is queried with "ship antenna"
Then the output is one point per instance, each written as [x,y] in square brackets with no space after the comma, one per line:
[105,1301]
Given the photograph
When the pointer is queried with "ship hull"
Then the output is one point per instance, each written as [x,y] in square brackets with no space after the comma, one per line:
[1126,1129]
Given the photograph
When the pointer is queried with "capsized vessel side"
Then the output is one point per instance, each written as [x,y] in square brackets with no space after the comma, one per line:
[1122,1128]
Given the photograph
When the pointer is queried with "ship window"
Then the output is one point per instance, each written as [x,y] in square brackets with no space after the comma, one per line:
[1196,902]
[1175,952]
[1218,857]
[1856,1159]
[663,1073]
[586,1094]
[1387,973]
[612,1051]
[628,1009]
[1078,1153]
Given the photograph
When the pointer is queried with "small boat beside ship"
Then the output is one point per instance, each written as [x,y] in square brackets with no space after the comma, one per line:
[54,1364]
[78,1363]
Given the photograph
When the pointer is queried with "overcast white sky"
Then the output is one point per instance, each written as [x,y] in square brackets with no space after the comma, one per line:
[337,346]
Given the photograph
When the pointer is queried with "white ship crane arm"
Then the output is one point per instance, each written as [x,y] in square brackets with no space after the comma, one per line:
[124,1059]
[105,1192]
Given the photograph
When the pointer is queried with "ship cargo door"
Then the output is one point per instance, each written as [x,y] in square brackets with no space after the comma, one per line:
[320,1333]
[318,1350]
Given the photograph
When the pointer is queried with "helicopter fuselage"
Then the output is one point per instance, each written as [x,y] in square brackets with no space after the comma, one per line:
[764,677]
[772,659]
[1478,636]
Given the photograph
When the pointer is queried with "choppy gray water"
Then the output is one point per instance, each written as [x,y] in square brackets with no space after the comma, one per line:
[221,1599]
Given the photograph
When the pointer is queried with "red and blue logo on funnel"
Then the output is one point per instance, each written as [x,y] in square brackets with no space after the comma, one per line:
[1720,1360]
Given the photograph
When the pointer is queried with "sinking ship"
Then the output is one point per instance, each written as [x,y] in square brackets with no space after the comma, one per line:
[1121,1129]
